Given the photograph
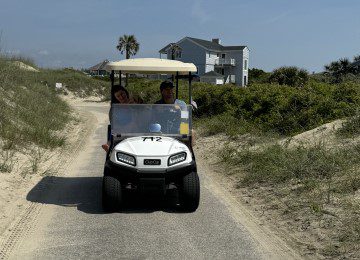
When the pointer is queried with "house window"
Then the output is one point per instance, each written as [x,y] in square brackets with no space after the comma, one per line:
[223,71]
[245,64]
[179,53]
[209,54]
[223,56]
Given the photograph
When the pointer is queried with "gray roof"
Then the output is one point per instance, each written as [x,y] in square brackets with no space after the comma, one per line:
[207,44]
[99,66]
[212,74]
[164,50]
[233,48]
[210,45]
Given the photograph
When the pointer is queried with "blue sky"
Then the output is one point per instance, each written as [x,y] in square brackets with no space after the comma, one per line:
[81,33]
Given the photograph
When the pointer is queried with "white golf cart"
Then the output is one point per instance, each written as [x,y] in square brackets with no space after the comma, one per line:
[150,149]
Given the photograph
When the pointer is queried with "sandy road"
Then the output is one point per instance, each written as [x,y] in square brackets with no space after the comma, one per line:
[69,223]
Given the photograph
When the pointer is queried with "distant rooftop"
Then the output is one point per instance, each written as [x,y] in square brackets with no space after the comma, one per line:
[213,45]
[99,66]
[164,50]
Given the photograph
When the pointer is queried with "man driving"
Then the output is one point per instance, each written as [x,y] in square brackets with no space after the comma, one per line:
[167,94]
[169,121]
[167,97]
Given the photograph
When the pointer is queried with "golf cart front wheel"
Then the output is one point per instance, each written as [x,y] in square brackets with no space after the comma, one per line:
[112,194]
[190,192]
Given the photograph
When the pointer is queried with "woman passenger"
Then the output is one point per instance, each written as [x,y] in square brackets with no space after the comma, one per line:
[121,96]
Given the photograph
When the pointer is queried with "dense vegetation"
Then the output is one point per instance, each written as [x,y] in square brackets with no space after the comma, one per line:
[279,109]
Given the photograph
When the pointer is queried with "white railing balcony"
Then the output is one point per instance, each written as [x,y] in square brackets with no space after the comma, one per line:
[222,61]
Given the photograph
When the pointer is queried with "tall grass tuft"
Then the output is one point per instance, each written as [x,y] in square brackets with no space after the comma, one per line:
[31,113]
[278,164]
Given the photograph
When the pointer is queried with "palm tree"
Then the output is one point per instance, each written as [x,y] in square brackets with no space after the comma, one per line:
[339,69]
[129,45]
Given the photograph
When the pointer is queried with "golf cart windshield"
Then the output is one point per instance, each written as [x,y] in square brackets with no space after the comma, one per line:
[145,119]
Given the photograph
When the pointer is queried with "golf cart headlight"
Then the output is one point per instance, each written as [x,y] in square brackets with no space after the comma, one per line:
[177,158]
[125,158]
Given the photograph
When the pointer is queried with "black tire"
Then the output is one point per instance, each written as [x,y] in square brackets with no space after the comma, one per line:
[190,192]
[112,194]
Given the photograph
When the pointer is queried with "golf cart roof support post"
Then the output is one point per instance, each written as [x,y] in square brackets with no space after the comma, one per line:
[120,77]
[112,79]
[190,88]
[112,76]
[177,85]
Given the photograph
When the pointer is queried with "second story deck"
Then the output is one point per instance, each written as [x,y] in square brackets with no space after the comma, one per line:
[225,62]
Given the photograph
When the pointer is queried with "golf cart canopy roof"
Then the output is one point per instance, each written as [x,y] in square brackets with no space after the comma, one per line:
[151,66]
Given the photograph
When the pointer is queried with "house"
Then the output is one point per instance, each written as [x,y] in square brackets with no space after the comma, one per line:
[212,77]
[99,69]
[230,61]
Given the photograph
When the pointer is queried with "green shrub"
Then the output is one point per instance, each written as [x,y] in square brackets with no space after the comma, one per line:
[279,109]
[291,76]
[258,76]
[223,123]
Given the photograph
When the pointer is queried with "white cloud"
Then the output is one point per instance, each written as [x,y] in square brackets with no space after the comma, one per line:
[199,13]
[43,52]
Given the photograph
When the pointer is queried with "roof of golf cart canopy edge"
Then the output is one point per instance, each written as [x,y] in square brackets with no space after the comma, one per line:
[151,66]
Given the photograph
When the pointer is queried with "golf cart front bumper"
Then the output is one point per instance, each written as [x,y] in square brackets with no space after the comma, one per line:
[143,178]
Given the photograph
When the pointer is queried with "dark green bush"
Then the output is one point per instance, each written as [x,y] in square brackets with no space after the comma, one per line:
[291,76]
[258,76]
[280,109]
